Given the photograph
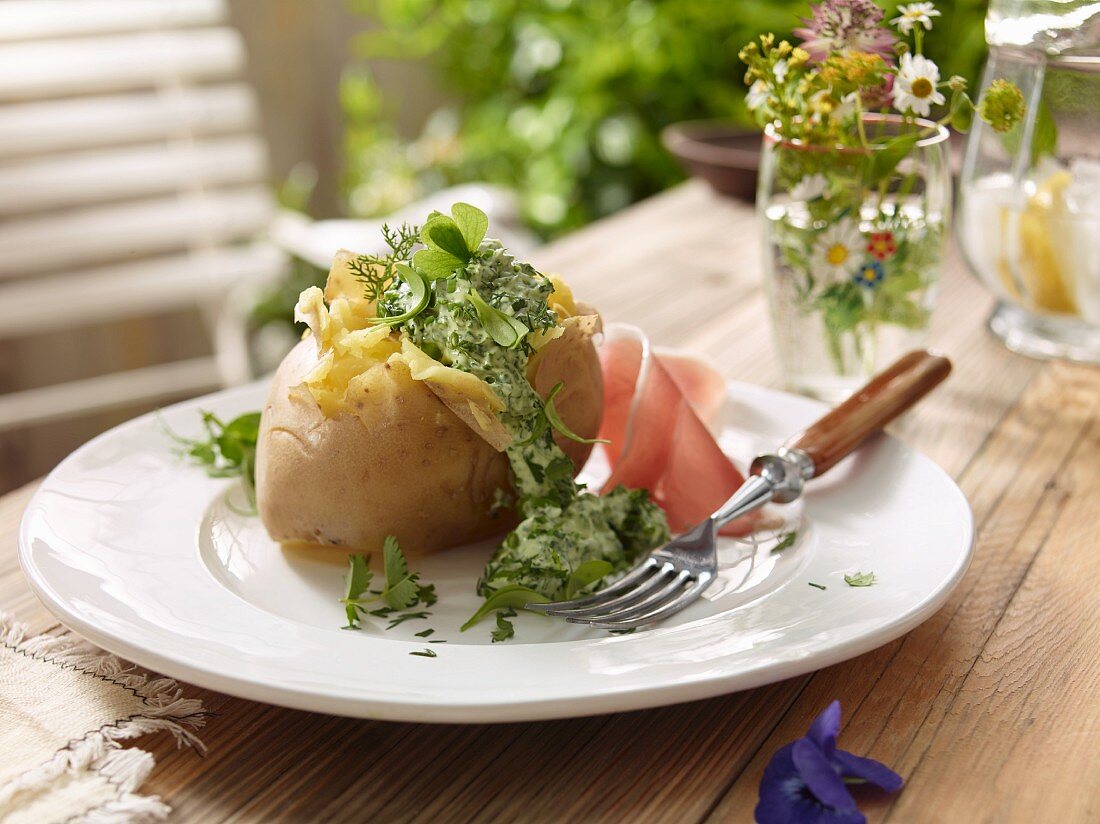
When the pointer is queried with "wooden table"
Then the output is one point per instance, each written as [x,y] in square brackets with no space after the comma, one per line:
[990,710]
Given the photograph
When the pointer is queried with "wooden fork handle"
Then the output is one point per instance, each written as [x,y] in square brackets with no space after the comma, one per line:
[871,408]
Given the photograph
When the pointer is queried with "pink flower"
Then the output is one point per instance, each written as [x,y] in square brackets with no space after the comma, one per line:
[843,26]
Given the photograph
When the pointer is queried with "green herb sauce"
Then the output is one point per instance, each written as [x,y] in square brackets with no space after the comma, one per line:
[563,527]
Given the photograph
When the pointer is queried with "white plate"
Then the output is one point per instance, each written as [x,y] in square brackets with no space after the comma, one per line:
[143,554]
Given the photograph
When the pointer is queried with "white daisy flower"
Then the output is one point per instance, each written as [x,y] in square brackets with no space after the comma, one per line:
[915,14]
[915,88]
[757,95]
[837,250]
[810,187]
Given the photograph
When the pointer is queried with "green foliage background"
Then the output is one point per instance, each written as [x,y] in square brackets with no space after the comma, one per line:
[564,100]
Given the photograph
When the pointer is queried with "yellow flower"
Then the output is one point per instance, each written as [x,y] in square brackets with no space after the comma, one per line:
[853,70]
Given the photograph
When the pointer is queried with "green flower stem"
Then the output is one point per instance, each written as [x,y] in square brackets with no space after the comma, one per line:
[859,124]
[907,184]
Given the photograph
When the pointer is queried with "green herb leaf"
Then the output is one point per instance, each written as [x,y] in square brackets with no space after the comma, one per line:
[860,579]
[424,653]
[418,289]
[586,574]
[401,588]
[785,541]
[511,596]
[817,586]
[400,591]
[559,425]
[504,629]
[406,616]
[228,450]
[442,233]
[424,633]
[472,223]
[358,579]
[425,593]
[238,437]
[502,327]
[436,265]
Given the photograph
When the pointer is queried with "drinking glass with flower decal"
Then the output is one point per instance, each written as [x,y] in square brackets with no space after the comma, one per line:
[854,192]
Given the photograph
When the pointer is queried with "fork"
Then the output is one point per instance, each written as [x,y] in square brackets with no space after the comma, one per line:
[676,574]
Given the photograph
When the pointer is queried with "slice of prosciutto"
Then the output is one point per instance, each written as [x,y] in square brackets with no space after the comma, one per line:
[656,407]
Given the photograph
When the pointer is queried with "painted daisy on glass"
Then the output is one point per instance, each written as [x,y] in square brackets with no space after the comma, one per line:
[837,251]
[855,183]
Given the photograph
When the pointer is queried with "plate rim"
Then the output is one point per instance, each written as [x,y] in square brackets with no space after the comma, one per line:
[614,699]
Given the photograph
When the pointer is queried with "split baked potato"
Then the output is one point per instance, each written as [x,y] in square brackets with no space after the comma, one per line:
[364,435]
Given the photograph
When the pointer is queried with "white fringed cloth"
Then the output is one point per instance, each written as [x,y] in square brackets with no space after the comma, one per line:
[65,706]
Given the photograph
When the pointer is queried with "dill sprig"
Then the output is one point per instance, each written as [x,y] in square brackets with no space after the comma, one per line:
[377,272]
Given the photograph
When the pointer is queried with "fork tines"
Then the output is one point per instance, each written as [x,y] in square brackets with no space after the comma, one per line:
[651,592]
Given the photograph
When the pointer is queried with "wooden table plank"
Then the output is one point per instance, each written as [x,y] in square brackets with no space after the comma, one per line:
[960,690]
[897,696]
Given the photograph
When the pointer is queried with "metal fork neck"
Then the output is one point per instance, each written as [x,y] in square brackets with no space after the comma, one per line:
[779,478]
[752,494]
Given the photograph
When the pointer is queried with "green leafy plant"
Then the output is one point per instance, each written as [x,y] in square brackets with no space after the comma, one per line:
[564,101]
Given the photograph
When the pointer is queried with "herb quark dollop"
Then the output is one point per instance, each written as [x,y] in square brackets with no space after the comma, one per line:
[482,312]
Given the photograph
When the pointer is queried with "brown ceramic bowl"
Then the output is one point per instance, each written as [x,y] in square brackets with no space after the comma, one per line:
[723,154]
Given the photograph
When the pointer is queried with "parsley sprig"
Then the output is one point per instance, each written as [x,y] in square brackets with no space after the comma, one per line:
[228,450]
[400,592]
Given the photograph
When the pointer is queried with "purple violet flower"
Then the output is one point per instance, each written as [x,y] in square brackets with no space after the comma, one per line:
[807,782]
[843,26]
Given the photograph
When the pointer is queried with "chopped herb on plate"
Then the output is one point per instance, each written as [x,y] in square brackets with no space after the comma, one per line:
[785,541]
[860,579]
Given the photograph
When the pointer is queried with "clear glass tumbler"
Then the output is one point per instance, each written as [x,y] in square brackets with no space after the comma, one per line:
[853,245]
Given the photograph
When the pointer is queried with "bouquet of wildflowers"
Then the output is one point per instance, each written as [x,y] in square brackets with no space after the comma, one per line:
[849,64]
[855,236]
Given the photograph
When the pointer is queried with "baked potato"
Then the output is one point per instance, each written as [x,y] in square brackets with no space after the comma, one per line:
[364,435]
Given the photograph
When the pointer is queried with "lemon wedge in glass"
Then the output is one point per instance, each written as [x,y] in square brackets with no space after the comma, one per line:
[1044,235]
